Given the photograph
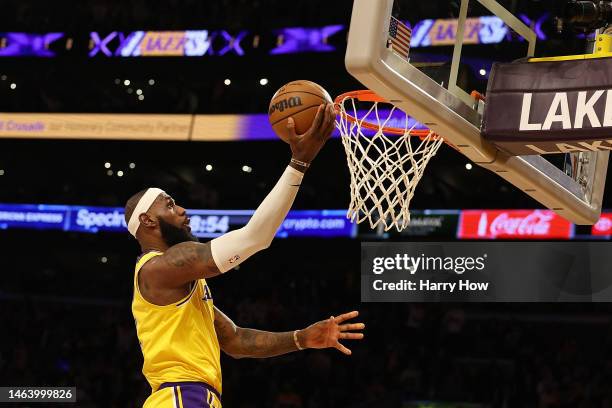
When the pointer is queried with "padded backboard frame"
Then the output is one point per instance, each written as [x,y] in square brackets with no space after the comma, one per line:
[395,79]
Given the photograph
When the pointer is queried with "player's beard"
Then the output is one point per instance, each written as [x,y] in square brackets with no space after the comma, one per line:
[173,235]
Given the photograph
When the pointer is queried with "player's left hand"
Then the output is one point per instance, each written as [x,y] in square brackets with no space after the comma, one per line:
[328,332]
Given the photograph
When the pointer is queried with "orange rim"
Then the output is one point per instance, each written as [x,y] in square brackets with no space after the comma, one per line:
[370,96]
[478,96]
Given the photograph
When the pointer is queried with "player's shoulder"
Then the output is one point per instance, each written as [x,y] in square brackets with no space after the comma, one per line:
[146,256]
[147,259]
[149,268]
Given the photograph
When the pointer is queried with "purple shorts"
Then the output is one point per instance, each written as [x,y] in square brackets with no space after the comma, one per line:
[191,394]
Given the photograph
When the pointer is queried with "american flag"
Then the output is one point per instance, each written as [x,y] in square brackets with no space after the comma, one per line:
[399,37]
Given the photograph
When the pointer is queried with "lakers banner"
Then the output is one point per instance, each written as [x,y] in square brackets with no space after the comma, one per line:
[550,107]
[95,126]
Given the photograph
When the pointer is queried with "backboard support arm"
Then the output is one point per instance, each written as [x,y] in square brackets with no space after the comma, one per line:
[507,17]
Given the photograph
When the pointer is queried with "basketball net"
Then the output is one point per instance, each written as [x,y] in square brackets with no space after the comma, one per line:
[386,163]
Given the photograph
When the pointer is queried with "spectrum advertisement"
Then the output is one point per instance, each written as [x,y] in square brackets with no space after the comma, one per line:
[204,223]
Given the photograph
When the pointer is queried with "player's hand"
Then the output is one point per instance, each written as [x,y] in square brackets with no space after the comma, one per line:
[329,332]
[305,147]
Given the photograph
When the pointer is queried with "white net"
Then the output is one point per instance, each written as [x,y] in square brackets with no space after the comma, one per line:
[385,168]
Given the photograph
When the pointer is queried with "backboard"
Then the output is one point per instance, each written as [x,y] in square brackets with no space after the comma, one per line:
[450,112]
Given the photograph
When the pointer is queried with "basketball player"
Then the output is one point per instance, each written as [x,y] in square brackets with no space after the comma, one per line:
[180,332]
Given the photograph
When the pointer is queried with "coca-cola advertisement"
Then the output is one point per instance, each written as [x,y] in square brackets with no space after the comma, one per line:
[603,227]
[513,224]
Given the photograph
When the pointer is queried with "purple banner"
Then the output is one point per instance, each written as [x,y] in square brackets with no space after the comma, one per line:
[288,40]
[28,45]
[297,39]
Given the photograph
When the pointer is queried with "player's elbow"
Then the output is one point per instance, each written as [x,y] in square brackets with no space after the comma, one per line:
[231,350]
[233,355]
[231,345]
[266,243]
[258,241]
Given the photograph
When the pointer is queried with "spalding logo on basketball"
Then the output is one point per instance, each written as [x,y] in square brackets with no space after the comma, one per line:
[299,100]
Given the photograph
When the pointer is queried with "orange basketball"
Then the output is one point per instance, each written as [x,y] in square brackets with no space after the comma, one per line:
[299,100]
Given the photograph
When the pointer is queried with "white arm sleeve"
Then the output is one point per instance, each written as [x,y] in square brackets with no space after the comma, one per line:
[236,246]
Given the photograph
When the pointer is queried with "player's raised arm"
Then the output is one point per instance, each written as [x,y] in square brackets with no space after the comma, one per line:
[234,247]
[241,342]
[158,224]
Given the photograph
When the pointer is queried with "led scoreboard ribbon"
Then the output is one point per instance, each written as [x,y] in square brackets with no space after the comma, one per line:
[289,40]
[449,224]
[204,223]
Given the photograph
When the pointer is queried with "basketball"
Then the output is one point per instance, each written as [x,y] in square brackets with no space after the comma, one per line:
[299,100]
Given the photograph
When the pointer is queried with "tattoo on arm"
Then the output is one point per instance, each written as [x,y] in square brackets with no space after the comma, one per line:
[192,255]
[262,344]
[239,342]
[225,329]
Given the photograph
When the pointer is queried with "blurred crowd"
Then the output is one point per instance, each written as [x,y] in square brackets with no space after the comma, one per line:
[178,14]
[76,329]
[169,14]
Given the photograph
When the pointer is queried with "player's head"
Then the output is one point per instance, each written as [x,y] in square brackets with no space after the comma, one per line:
[153,213]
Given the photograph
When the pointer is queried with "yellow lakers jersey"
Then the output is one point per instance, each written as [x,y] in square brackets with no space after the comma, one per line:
[178,341]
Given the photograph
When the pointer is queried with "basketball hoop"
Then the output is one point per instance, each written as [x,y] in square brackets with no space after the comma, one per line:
[385,163]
